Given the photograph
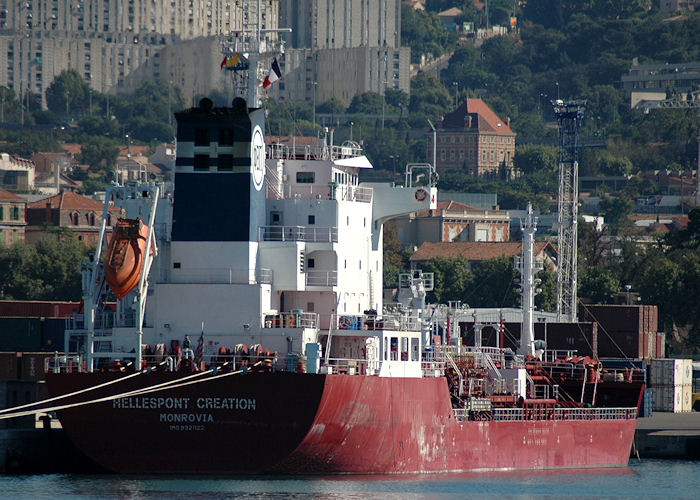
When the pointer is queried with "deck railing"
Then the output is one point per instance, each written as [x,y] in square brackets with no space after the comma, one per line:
[520,414]
[299,233]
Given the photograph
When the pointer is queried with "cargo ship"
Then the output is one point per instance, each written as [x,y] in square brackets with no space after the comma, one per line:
[254,338]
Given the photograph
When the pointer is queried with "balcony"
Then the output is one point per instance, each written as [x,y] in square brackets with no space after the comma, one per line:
[222,276]
[321,278]
[299,233]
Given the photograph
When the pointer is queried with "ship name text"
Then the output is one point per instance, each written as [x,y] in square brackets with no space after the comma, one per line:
[159,403]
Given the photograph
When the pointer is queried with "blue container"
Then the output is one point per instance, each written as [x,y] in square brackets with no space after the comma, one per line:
[647,402]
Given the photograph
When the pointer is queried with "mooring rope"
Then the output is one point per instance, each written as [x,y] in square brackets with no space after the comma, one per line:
[173,384]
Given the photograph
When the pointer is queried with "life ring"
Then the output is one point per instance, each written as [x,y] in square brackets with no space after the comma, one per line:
[421,195]
[344,322]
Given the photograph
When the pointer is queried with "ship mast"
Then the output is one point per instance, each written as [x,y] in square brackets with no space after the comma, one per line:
[252,43]
[528,267]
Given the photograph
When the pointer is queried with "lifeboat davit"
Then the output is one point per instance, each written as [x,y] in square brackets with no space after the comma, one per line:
[125,253]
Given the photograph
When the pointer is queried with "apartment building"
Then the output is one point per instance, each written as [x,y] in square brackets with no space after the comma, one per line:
[114,44]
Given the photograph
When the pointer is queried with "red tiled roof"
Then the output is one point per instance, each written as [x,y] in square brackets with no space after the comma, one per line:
[133,150]
[483,118]
[474,250]
[72,148]
[451,205]
[68,201]
[8,196]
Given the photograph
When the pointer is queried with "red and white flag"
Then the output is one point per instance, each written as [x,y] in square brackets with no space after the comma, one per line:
[273,75]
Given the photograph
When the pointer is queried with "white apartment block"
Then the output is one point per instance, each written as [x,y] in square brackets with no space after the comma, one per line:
[114,44]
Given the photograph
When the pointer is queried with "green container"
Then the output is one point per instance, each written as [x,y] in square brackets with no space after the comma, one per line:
[20,334]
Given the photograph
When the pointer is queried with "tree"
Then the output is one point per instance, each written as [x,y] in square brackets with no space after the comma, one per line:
[616,210]
[424,33]
[452,279]
[333,106]
[100,153]
[493,284]
[49,270]
[369,103]
[532,158]
[599,284]
[68,93]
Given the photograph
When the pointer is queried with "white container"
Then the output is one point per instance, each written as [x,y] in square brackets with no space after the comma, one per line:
[668,398]
[686,371]
[671,372]
[687,399]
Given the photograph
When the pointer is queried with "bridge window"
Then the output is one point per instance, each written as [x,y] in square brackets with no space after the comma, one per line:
[226,137]
[404,349]
[306,177]
[415,356]
[201,137]
[225,163]
[201,162]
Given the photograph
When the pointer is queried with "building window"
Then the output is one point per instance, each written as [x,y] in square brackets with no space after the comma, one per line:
[225,163]
[306,177]
[500,156]
[2,213]
[471,155]
[14,213]
[452,154]
[442,155]
[483,155]
[461,139]
[75,219]
[312,220]
[311,263]
[492,156]
[201,162]
[461,154]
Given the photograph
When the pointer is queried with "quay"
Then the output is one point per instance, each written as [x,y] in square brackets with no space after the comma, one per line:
[668,435]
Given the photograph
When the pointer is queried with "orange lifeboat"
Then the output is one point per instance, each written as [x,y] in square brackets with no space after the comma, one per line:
[124,257]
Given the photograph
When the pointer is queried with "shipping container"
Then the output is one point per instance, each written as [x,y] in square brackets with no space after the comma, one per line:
[20,334]
[579,337]
[9,368]
[16,393]
[686,371]
[52,335]
[660,345]
[669,372]
[646,408]
[671,399]
[32,365]
[687,398]
[37,308]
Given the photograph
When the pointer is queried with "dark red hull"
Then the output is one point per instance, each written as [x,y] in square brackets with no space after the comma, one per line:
[319,424]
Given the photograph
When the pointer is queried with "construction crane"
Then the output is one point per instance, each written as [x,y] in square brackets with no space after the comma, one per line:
[692,101]
[569,116]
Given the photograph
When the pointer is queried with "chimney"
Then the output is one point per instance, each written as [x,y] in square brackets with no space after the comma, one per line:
[469,121]
[57,166]
[508,121]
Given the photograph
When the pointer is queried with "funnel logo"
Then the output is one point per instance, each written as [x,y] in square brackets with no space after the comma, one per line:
[257,156]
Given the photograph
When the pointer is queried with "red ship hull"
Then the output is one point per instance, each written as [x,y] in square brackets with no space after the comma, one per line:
[318,424]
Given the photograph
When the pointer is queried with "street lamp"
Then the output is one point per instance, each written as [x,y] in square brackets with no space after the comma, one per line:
[314,103]
[456,86]
[557,84]
[627,289]
[351,124]
[393,159]
[434,144]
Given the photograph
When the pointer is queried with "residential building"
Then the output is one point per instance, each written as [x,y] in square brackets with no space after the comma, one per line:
[452,221]
[12,222]
[677,5]
[647,83]
[115,44]
[478,252]
[68,210]
[339,50]
[473,139]
[16,174]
